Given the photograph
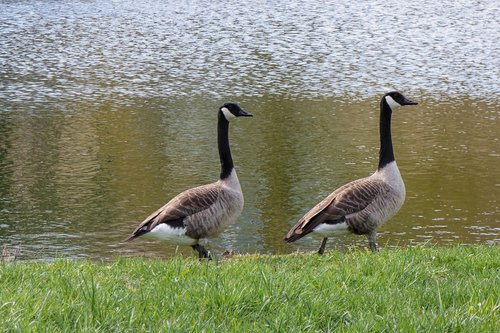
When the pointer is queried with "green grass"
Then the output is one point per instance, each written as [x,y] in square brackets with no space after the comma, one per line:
[421,289]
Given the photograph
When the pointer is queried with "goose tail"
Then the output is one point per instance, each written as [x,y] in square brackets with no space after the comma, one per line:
[294,234]
[134,236]
[130,238]
[141,230]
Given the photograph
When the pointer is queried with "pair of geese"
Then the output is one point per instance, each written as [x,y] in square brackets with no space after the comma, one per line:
[359,207]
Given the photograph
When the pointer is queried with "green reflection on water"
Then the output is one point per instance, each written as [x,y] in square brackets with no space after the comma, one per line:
[76,179]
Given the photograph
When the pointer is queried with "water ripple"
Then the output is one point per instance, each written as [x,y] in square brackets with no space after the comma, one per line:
[88,50]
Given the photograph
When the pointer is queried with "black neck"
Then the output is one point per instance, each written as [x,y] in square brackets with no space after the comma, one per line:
[386,151]
[226,161]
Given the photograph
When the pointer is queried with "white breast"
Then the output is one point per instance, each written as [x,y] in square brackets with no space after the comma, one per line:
[232,182]
[390,202]
[390,175]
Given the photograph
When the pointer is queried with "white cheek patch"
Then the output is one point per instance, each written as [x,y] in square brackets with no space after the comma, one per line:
[227,114]
[392,103]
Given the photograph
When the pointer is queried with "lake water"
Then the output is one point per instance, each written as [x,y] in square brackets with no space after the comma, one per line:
[107,110]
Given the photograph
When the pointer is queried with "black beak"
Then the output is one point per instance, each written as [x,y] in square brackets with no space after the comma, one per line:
[243,113]
[408,102]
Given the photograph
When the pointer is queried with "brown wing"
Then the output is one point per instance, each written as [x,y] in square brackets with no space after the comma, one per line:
[187,203]
[348,199]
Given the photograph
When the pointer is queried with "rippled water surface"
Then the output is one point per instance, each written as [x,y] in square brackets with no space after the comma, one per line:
[107,110]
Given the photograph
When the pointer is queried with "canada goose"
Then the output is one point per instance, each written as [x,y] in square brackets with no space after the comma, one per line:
[363,205]
[204,211]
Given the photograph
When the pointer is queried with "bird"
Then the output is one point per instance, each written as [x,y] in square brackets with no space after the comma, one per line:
[204,211]
[363,205]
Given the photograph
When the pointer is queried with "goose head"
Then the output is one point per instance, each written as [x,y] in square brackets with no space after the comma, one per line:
[233,110]
[395,99]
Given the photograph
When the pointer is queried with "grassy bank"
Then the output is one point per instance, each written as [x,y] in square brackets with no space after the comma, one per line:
[425,289]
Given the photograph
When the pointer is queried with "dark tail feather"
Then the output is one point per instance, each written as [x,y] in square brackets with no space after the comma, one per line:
[135,235]
[295,234]
[130,238]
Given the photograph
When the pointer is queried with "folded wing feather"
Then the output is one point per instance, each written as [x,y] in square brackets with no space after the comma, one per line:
[348,200]
[173,213]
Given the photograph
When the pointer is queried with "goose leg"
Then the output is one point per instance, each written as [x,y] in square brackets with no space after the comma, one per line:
[202,252]
[322,247]
[372,237]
